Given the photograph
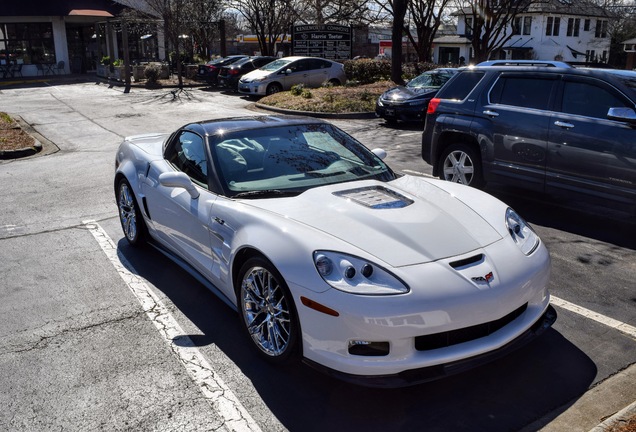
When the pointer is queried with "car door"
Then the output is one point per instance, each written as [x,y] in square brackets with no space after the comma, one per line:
[518,110]
[182,222]
[299,73]
[318,72]
[587,152]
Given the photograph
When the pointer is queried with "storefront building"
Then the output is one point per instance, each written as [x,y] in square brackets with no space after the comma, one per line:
[40,37]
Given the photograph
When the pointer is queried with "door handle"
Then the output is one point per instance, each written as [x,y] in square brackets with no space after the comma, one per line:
[563,124]
[491,113]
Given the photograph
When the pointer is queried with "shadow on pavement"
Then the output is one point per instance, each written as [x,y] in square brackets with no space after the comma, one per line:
[501,396]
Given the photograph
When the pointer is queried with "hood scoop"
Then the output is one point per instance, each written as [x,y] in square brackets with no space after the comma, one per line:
[376,197]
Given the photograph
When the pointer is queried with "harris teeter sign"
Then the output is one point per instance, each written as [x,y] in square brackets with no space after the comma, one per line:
[330,41]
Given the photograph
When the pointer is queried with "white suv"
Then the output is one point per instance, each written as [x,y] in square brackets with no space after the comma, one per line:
[286,72]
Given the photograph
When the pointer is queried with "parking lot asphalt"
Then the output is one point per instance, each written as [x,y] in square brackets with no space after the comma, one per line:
[598,405]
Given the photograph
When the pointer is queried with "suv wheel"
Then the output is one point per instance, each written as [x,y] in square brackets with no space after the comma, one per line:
[460,163]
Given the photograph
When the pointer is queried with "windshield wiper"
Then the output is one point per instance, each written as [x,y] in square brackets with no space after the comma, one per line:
[266,193]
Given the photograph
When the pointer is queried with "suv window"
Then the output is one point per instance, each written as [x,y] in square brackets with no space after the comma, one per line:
[187,154]
[522,91]
[589,99]
[463,84]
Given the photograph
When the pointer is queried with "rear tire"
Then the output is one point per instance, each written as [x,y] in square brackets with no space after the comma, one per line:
[461,163]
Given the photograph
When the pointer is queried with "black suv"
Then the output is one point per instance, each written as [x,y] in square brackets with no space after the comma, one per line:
[550,129]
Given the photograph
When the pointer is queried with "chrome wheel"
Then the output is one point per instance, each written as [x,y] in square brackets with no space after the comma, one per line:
[266,310]
[461,164]
[129,216]
[458,168]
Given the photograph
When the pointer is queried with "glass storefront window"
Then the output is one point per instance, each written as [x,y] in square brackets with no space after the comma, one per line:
[27,43]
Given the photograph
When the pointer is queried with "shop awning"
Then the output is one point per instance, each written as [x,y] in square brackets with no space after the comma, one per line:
[90,12]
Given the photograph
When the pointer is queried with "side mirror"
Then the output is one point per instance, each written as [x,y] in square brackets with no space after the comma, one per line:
[288,71]
[379,153]
[627,115]
[179,180]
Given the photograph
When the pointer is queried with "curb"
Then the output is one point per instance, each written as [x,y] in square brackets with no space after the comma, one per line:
[359,115]
[623,416]
[41,147]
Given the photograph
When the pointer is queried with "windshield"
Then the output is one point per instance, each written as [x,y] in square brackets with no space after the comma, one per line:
[430,79]
[275,65]
[292,159]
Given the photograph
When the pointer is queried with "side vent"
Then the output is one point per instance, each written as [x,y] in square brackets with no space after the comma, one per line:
[143,200]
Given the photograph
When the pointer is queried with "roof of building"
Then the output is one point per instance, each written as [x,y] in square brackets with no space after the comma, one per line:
[452,39]
[99,8]
[556,7]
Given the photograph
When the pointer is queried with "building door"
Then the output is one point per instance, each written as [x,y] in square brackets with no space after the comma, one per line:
[448,55]
[82,48]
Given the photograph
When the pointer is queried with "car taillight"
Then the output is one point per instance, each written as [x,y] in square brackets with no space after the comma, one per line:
[211,67]
[432,106]
[233,71]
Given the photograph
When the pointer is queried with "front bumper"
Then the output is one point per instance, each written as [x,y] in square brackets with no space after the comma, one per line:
[401,112]
[431,373]
[255,89]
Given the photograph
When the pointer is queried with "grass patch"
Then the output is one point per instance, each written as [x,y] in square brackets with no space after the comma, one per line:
[338,99]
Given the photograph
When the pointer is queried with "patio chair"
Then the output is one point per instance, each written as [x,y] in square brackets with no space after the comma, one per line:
[60,67]
[16,69]
[40,68]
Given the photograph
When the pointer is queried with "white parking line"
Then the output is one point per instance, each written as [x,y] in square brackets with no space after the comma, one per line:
[220,397]
[417,173]
[410,134]
[610,322]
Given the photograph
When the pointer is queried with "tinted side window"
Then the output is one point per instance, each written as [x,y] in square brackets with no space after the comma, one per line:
[526,92]
[589,99]
[301,65]
[461,86]
[187,154]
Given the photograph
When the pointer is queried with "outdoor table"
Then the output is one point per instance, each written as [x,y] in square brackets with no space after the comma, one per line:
[48,68]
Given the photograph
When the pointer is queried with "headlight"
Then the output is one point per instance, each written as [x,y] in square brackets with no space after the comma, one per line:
[261,79]
[380,102]
[356,276]
[521,233]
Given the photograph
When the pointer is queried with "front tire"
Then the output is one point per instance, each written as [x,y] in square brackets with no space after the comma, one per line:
[132,222]
[461,163]
[273,88]
[267,311]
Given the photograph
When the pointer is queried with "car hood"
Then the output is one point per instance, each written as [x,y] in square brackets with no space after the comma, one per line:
[402,93]
[257,73]
[405,222]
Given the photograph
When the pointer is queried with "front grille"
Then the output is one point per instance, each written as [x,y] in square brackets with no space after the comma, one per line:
[454,337]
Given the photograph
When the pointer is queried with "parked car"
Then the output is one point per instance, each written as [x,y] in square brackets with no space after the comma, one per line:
[209,71]
[286,72]
[561,130]
[328,255]
[230,74]
[409,102]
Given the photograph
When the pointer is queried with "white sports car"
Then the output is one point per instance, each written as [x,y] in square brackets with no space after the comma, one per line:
[331,257]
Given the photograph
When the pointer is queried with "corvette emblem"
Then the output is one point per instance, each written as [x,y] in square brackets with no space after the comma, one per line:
[488,278]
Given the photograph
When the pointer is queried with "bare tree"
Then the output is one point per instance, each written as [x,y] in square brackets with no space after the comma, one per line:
[268,19]
[335,11]
[399,8]
[489,23]
[205,25]
[427,15]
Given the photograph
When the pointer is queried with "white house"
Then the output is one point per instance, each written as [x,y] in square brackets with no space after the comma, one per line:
[563,30]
